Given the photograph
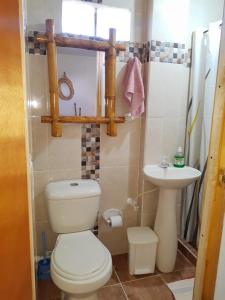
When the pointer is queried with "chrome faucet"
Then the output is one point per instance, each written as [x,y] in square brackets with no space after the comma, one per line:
[164,162]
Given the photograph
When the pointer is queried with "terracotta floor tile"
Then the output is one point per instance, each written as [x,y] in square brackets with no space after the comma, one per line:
[120,263]
[179,275]
[54,292]
[42,290]
[182,262]
[114,292]
[190,252]
[143,287]
[113,280]
[149,288]
[47,290]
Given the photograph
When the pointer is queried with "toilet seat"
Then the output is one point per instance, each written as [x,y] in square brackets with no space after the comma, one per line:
[80,263]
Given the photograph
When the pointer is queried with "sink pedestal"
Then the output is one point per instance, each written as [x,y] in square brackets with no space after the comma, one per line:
[166,229]
[170,181]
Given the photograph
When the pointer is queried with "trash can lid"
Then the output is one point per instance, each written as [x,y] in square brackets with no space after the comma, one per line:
[141,235]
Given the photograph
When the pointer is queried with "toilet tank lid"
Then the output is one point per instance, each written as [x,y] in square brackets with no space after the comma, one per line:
[72,189]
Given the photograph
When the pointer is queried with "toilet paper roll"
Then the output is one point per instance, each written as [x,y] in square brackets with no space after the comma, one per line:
[116,221]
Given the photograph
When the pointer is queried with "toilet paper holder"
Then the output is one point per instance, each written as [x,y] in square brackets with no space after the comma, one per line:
[112,212]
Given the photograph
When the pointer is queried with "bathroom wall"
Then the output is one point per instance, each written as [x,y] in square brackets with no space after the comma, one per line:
[167,88]
[139,142]
[60,158]
[176,20]
[167,77]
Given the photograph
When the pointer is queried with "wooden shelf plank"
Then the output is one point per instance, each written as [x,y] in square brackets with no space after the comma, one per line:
[72,42]
[74,119]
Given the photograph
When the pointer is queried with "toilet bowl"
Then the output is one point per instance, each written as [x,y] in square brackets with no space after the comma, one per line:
[80,263]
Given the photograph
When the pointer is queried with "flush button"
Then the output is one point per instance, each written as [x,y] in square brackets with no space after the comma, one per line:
[74,184]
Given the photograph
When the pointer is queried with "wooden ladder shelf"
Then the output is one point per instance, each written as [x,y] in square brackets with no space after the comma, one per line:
[109,47]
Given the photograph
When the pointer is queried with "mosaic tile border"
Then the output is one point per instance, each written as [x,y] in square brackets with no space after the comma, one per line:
[32,46]
[155,51]
[133,49]
[167,52]
[90,151]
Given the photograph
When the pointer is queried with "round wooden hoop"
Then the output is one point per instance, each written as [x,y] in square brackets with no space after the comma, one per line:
[68,82]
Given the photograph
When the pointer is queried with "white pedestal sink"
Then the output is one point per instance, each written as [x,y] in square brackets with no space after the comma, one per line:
[170,182]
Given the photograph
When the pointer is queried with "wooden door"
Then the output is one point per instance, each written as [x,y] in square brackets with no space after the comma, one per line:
[214,198]
[15,252]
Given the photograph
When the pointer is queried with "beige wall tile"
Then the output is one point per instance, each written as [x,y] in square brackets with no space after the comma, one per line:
[65,152]
[150,202]
[38,85]
[50,236]
[130,216]
[40,181]
[32,200]
[141,166]
[117,184]
[148,220]
[39,144]
[153,141]
[115,241]
[55,175]
[124,149]
[171,100]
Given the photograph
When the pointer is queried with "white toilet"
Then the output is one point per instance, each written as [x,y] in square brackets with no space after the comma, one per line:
[80,263]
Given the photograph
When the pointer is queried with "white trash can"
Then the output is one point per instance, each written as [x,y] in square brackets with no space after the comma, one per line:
[142,250]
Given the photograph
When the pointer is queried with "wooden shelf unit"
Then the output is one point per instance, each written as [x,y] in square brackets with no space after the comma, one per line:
[109,47]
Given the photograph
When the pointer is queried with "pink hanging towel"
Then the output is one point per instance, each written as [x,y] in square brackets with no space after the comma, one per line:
[134,88]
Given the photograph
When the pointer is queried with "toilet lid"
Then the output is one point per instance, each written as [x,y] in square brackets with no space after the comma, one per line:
[79,254]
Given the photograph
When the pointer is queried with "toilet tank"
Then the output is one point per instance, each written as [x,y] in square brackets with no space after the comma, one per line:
[72,204]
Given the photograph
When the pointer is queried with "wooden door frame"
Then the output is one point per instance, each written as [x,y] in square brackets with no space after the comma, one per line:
[214,195]
[17,266]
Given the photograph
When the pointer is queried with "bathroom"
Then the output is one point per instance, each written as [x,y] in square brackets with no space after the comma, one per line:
[176,44]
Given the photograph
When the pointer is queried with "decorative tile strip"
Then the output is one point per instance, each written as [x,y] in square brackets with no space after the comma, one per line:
[167,52]
[156,51]
[33,47]
[140,50]
[132,49]
[90,151]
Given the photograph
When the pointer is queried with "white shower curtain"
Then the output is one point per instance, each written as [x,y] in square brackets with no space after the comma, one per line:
[205,52]
[214,35]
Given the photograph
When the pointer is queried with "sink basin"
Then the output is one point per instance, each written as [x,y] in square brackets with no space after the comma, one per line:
[170,182]
[171,177]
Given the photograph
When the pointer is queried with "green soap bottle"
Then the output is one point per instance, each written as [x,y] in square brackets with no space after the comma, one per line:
[178,160]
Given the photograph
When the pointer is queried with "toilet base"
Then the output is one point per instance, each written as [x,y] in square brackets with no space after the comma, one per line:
[92,296]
